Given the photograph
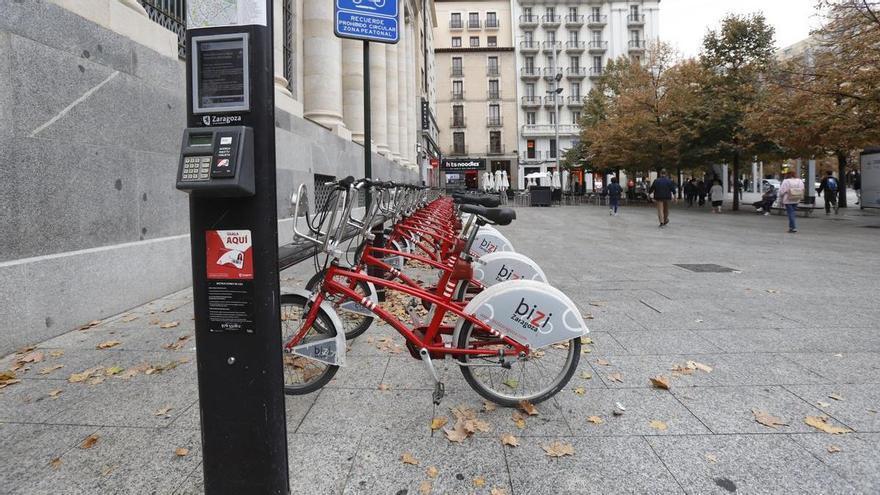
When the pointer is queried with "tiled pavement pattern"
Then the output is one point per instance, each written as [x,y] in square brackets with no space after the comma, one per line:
[795,323]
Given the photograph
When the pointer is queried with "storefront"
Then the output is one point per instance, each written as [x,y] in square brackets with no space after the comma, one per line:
[462,173]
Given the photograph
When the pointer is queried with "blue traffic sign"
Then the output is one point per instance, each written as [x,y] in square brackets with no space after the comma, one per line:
[372,20]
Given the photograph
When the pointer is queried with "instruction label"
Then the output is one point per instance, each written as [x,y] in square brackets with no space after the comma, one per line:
[230,273]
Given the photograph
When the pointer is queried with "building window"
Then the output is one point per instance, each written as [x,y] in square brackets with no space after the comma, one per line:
[493,66]
[457,116]
[458,147]
[550,12]
[530,64]
[597,64]
[457,90]
[530,148]
[474,20]
[457,69]
[491,40]
[575,63]
[572,12]
[597,35]
[528,36]
[634,11]
[475,41]
[527,12]
[494,91]
[494,115]
[552,148]
[530,90]
[456,42]
[576,118]
[495,142]
[530,118]
[552,117]
[597,13]
[551,36]
[573,36]
[576,90]
[491,20]
[635,35]
[455,20]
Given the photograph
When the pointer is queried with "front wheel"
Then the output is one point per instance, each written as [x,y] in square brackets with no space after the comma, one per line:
[534,378]
[303,375]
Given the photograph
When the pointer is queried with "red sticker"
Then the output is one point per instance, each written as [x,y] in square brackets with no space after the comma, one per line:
[229,255]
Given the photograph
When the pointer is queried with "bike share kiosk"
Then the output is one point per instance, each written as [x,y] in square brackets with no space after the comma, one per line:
[227,166]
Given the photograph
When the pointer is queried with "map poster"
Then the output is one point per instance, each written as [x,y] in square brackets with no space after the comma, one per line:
[216,13]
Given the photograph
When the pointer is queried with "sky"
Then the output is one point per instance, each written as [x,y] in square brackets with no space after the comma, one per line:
[683,23]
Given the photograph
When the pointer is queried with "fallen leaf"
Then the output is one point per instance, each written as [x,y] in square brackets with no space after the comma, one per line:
[833,449]
[602,362]
[580,390]
[658,425]
[163,411]
[56,354]
[489,406]
[458,434]
[699,366]
[89,325]
[586,375]
[772,291]
[518,420]
[438,423]
[96,380]
[510,382]
[660,381]
[824,404]
[498,491]
[133,371]
[835,397]
[767,419]
[616,377]
[425,487]
[181,452]
[821,423]
[55,463]
[113,370]
[528,408]
[177,344]
[598,304]
[30,358]
[558,449]
[407,458]
[586,340]
[89,442]
[49,369]
[596,420]
[170,324]
[155,321]
[432,472]
[129,318]
[384,387]
[8,377]
[479,482]
[107,470]
[55,393]
[711,458]
[586,350]
[462,412]
[108,344]
[587,316]
[510,440]
[84,375]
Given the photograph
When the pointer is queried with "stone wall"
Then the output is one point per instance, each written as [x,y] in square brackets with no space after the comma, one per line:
[90,126]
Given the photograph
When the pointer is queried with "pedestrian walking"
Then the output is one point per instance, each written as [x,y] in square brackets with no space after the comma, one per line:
[614,192]
[857,186]
[791,192]
[663,191]
[701,192]
[690,192]
[717,195]
[829,186]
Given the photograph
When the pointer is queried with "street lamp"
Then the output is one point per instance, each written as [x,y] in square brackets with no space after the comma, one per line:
[556,95]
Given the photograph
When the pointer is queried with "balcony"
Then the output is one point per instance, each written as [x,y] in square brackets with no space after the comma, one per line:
[474,24]
[528,21]
[529,72]
[596,72]
[574,20]
[575,46]
[496,149]
[458,96]
[533,157]
[551,21]
[597,20]
[537,130]
[459,150]
[529,46]
[637,45]
[456,24]
[493,23]
[552,101]
[457,72]
[550,46]
[493,71]
[493,121]
[550,74]
[635,20]
[530,101]
[457,122]
[494,95]
[575,101]
[598,46]
[576,72]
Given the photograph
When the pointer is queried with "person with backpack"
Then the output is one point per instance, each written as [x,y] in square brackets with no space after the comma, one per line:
[717,195]
[663,190]
[829,186]
[614,193]
[791,192]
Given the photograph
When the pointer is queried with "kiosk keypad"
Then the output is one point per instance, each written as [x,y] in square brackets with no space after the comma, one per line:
[196,168]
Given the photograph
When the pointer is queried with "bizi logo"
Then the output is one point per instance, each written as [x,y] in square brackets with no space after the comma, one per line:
[506,274]
[532,318]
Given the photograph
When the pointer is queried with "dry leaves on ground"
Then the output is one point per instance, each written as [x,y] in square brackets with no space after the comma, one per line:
[56,354]
[55,463]
[425,487]
[509,440]
[387,344]
[711,458]
[129,318]
[558,449]
[586,340]
[108,344]
[596,420]
[586,375]
[89,442]
[580,390]
[84,375]
[113,370]
[821,423]
[489,406]
[518,419]
[177,344]
[616,377]
[432,472]
[408,458]
[438,423]
[163,412]
[49,369]
[181,451]
[384,387]
[479,482]
[7,378]
[658,425]
[466,424]
[55,393]
[767,419]
[602,362]
[498,491]
[89,325]
[170,324]
[528,408]
[660,381]
[835,397]
[30,358]
[833,449]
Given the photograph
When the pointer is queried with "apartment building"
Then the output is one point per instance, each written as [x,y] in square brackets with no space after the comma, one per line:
[476,91]
[562,48]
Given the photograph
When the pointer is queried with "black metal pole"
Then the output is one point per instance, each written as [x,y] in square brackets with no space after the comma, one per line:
[368,131]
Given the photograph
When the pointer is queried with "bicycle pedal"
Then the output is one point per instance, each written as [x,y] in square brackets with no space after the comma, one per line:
[439,392]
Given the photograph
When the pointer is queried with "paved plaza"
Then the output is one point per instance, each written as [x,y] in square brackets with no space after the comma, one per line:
[788,335]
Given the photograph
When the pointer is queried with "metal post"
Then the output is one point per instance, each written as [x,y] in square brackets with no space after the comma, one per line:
[368,129]
[556,110]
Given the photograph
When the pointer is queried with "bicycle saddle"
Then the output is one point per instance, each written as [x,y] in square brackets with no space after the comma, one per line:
[498,216]
[487,201]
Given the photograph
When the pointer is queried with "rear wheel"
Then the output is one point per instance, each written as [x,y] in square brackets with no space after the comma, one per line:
[356,319]
[534,378]
[303,375]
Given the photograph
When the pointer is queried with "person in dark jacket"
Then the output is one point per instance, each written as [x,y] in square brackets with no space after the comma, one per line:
[829,186]
[614,193]
[663,190]
[701,192]
[690,192]
[767,199]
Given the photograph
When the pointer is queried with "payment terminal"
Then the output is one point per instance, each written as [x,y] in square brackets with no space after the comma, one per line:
[217,162]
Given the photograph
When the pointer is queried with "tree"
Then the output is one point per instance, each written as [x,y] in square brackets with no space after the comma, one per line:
[736,56]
